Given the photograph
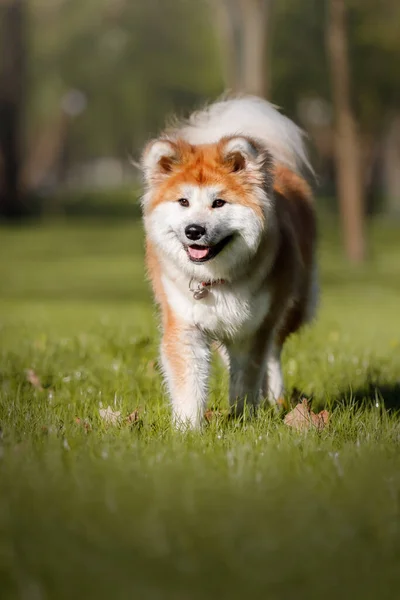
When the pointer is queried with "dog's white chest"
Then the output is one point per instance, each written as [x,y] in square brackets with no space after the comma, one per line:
[224,311]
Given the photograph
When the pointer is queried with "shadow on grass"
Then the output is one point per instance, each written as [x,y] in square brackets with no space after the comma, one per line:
[370,394]
[374,394]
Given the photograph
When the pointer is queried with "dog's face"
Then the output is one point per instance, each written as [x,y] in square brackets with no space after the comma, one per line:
[206,207]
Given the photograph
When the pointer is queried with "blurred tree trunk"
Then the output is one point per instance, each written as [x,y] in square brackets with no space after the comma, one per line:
[347,150]
[45,153]
[228,33]
[12,88]
[243,34]
[256,60]
[391,167]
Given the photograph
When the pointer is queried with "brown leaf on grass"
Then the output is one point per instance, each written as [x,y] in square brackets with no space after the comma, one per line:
[34,379]
[133,417]
[110,416]
[210,415]
[85,424]
[302,417]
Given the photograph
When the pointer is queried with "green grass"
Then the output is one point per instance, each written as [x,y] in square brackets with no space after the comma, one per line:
[240,510]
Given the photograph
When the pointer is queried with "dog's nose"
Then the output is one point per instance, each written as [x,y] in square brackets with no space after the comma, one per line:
[194,232]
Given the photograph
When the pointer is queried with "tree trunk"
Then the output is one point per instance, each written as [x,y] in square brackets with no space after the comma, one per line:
[228,34]
[12,75]
[243,35]
[391,167]
[255,46]
[45,153]
[347,150]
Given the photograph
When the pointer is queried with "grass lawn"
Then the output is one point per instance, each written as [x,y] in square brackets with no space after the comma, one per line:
[240,510]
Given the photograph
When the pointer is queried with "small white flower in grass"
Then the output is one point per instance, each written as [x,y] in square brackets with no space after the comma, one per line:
[110,416]
[66,445]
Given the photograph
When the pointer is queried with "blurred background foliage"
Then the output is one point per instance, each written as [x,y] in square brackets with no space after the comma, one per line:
[135,62]
[100,77]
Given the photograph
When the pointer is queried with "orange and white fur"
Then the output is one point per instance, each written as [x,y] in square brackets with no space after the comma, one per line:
[231,234]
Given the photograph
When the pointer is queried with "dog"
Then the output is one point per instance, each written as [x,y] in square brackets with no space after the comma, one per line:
[230,249]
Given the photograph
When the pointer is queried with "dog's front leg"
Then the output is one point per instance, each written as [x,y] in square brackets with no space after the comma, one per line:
[247,375]
[185,354]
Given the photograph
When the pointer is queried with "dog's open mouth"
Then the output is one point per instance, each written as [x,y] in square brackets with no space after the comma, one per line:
[200,254]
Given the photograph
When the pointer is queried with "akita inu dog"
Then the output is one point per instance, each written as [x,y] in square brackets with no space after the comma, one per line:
[231,237]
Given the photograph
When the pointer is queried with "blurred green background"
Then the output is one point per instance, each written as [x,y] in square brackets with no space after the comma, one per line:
[84,84]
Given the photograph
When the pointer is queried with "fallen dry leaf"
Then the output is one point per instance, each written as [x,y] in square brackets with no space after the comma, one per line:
[34,379]
[85,424]
[210,415]
[110,416]
[302,417]
[133,417]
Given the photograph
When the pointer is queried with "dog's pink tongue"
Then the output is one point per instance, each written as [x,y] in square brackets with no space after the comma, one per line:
[198,252]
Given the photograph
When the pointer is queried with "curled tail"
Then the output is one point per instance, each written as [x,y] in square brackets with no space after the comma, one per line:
[253,117]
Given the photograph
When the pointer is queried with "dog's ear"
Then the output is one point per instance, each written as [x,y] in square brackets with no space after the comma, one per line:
[243,154]
[238,152]
[158,158]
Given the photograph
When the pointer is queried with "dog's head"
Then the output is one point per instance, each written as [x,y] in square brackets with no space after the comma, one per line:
[206,206]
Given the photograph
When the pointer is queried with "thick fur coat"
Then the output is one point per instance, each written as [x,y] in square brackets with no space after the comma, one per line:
[230,230]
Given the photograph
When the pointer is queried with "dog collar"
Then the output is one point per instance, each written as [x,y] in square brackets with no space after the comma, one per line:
[203,288]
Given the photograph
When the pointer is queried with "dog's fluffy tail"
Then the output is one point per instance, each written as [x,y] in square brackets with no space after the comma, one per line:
[252,117]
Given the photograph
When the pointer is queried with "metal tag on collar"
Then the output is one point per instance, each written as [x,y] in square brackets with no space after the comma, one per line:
[199,292]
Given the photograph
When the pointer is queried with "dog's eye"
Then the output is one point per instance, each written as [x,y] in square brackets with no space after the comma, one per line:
[218,203]
[183,202]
